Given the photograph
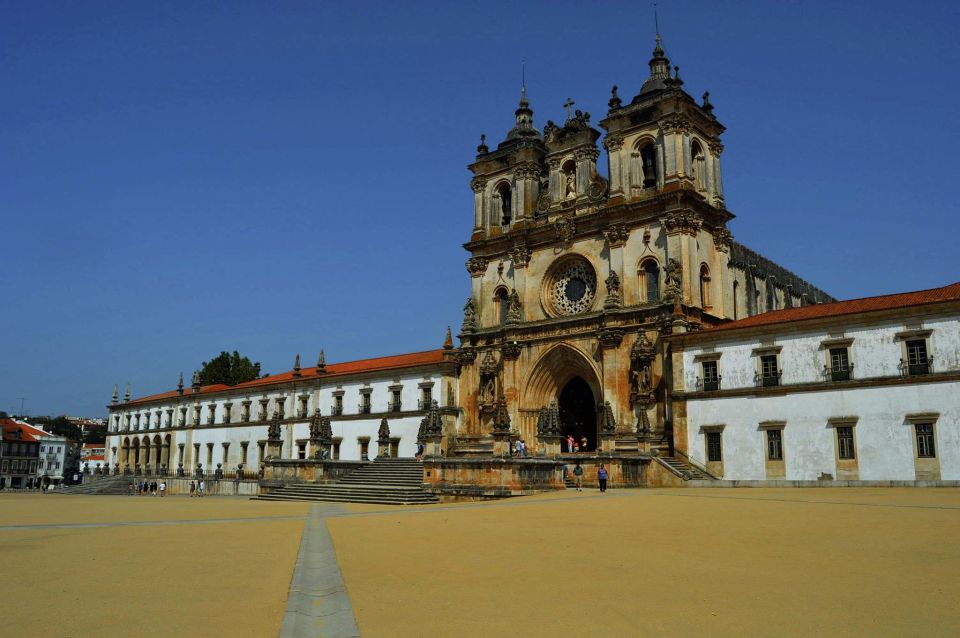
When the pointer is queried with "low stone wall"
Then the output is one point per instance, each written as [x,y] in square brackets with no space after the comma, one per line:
[278,472]
[483,478]
[785,483]
[223,487]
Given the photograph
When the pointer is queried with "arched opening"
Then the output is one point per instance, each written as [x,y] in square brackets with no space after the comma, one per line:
[136,452]
[578,413]
[502,300]
[157,452]
[506,203]
[649,276]
[697,166]
[569,170]
[704,286]
[648,165]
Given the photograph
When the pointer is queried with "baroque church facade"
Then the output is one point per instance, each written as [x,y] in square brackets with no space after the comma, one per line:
[576,278]
[604,311]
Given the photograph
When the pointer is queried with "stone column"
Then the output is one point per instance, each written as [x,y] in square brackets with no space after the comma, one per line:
[479,185]
[615,164]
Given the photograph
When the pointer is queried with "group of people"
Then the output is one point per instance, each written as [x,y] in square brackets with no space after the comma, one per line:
[574,446]
[520,449]
[142,488]
[602,476]
[198,488]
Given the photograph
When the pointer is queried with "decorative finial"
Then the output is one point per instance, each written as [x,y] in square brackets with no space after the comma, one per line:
[296,366]
[614,102]
[569,104]
[483,149]
[180,384]
[707,106]
[116,389]
[448,341]
[195,384]
[126,395]
[321,363]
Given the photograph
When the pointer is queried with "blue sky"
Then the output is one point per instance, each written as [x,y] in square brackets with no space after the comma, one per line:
[178,179]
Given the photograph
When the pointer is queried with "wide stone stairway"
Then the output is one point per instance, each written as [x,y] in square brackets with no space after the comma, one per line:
[385,481]
[104,485]
[684,470]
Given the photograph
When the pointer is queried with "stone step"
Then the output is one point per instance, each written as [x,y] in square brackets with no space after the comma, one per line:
[419,500]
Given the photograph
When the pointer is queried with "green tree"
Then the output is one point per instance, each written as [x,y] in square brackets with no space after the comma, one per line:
[61,426]
[229,369]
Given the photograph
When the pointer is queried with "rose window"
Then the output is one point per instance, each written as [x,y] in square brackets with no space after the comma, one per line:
[573,288]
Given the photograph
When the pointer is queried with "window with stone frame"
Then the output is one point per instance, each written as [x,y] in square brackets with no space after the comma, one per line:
[769,370]
[704,286]
[302,412]
[714,446]
[183,417]
[926,446]
[338,404]
[845,444]
[711,376]
[505,195]
[839,364]
[365,400]
[649,280]
[395,403]
[245,411]
[774,445]
[502,303]
[196,415]
[917,361]
[301,450]
[243,451]
[426,396]
[211,413]
[260,451]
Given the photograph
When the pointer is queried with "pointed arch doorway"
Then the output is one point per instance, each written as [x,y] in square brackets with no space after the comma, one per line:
[578,413]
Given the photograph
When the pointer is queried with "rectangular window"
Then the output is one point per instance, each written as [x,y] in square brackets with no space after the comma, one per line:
[395,401]
[839,364]
[427,399]
[775,445]
[917,362]
[714,450]
[365,403]
[925,446]
[260,449]
[338,405]
[711,380]
[769,372]
[845,442]
[301,451]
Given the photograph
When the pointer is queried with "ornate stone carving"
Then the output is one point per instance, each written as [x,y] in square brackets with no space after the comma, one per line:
[511,350]
[641,359]
[527,170]
[520,255]
[477,184]
[501,419]
[572,287]
[616,235]
[614,292]
[433,424]
[477,266]
[315,424]
[613,142]
[466,356]
[673,281]
[566,229]
[515,308]
[548,421]
[716,148]
[489,365]
[273,430]
[587,153]
[682,221]
[610,338]
[722,238]
[383,434]
[543,201]
[608,423]
[469,316]
[674,123]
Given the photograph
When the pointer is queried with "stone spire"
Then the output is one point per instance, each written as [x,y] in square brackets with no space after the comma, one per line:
[296,367]
[126,395]
[607,421]
[180,385]
[548,422]
[383,434]
[116,389]
[659,70]
[501,422]
[321,363]
[524,127]
[448,341]
[195,384]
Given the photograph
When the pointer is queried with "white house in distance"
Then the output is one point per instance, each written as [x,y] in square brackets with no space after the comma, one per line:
[227,425]
[863,390]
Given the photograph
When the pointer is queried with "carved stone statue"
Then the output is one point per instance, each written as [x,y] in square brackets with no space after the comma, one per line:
[273,430]
[515,308]
[673,281]
[570,190]
[383,435]
[469,316]
[614,292]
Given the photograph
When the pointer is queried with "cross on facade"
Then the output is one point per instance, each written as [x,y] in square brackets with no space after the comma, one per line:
[569,104]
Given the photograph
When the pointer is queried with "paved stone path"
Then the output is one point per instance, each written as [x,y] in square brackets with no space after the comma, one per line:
[318,604]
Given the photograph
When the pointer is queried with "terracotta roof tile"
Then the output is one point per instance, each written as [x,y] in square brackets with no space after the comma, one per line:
[851,306]
[29,433]
[378,364]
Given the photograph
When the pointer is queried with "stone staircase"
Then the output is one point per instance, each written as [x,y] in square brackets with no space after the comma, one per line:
[104,485]
[683,469]
[385,481]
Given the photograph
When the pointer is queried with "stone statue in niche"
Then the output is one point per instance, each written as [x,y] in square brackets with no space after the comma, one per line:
[673,281]
[515,308]
[570,190]
[614,292]
[469,316]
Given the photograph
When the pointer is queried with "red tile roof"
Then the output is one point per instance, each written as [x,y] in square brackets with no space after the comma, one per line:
[10,428]
[378,364]
[851,306]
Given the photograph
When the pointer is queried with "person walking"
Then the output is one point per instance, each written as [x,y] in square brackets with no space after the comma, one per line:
[602,478]
[578,476]
[193,489]
[569,443]
[201,488]
[163,488]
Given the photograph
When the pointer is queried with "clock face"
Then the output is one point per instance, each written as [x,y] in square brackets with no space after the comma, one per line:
[572,287]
